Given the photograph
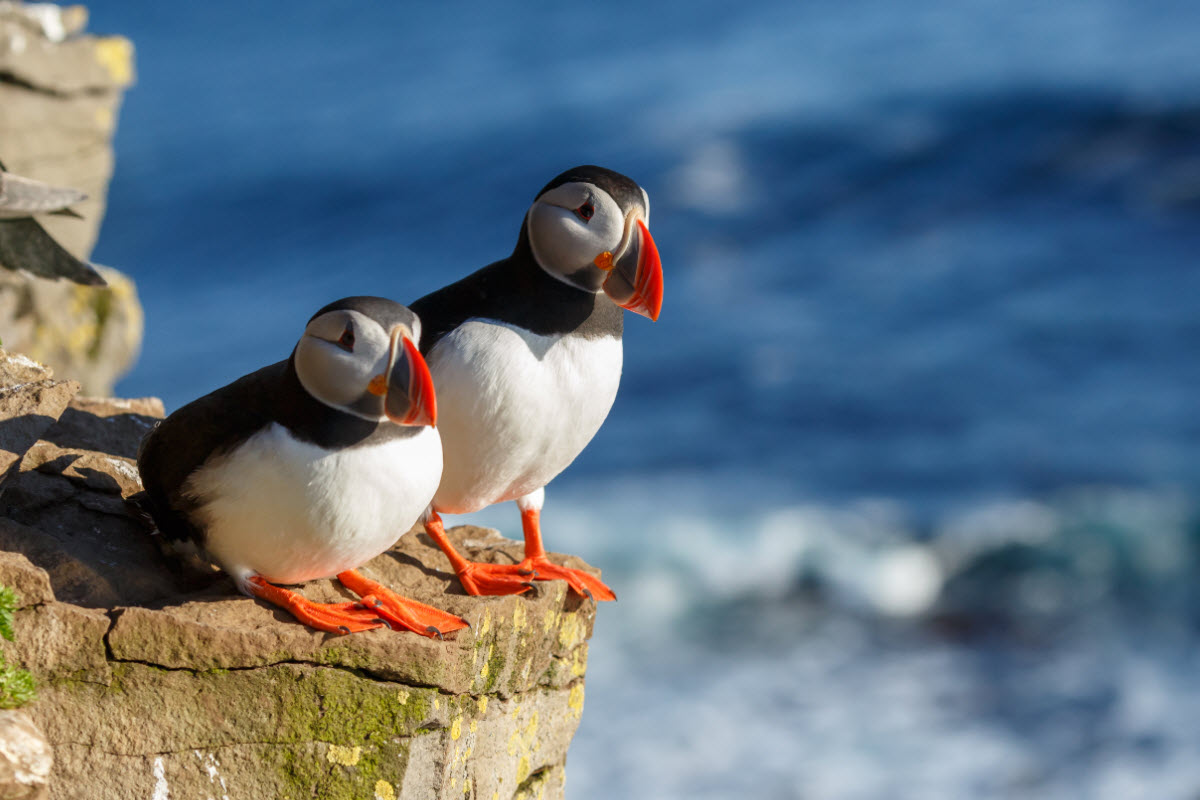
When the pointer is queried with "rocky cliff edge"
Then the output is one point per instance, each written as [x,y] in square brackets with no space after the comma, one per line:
[156,679]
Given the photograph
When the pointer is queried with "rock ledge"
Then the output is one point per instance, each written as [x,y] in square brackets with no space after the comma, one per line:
[157,677]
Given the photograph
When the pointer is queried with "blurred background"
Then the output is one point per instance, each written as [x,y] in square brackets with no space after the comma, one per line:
[898,494]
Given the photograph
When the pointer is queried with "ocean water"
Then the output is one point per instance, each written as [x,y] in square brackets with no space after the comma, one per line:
[899,492]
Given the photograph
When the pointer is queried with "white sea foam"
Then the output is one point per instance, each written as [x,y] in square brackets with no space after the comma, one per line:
[674,545]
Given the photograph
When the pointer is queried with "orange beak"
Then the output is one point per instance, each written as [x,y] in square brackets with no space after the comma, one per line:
[635,281]
[410,397]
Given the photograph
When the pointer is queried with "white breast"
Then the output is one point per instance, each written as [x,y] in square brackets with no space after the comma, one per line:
[515,408]
[292,511]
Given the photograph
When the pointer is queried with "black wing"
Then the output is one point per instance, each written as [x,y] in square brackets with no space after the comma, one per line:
[26,246]
[24,243]
[180,444]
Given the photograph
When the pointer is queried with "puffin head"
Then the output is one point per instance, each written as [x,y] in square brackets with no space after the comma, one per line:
[359,355]
[588,228]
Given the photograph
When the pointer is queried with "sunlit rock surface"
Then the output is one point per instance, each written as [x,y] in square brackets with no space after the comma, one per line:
[156,679]
[60,92]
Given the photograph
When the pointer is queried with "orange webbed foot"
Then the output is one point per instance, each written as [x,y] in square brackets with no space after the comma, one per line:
[400,612]
[339,618]
[501,579]
[494,579]
[583,583]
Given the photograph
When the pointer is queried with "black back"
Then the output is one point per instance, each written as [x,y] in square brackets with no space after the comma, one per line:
[519,292]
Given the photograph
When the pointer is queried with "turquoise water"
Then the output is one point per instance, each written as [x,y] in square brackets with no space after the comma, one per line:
[898,494]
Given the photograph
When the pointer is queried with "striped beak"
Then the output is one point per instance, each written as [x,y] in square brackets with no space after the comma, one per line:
[409,397]
[635,281]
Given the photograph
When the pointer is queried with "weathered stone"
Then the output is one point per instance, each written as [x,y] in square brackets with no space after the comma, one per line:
[27,411]
[72,64]
[107,424]
[30,402]
[65,508]
[156,678]
[514,644]
[60,92]
[60,97]
[91,334]
[16,369]
[25,758]
[31,583]
[59,640]
[300,731]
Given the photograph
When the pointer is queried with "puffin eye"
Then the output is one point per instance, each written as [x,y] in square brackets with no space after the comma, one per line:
[586,211]
[347,340]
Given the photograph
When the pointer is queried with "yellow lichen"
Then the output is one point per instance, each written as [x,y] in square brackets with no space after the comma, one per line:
[519,617]
[570,632]
[474,726]
[522,743]
[402,696]
[456,728]
[346,756]
[575,698]
[115,54]
[483,703]
[384,791]
[486,624]
[487,664]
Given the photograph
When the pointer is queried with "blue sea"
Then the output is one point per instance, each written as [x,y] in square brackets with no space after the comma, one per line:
[899,494]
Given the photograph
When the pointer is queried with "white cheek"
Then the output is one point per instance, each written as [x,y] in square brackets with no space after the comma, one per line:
[563,243]
[333,376]
[560,243]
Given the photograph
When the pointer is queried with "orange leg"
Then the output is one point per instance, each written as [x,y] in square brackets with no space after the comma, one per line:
[331,617]
[515,578]
[583,583]
[476,578]
[400,612]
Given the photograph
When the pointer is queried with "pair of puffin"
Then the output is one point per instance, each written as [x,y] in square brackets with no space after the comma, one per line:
[312,466]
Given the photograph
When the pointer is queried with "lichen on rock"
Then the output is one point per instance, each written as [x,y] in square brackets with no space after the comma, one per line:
[156,676]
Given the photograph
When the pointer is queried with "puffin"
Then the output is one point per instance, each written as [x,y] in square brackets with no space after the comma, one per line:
[526,356]
[309,467]
[24,243]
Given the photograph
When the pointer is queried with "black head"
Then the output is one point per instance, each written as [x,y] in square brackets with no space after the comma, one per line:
[359,355]
[589,228]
